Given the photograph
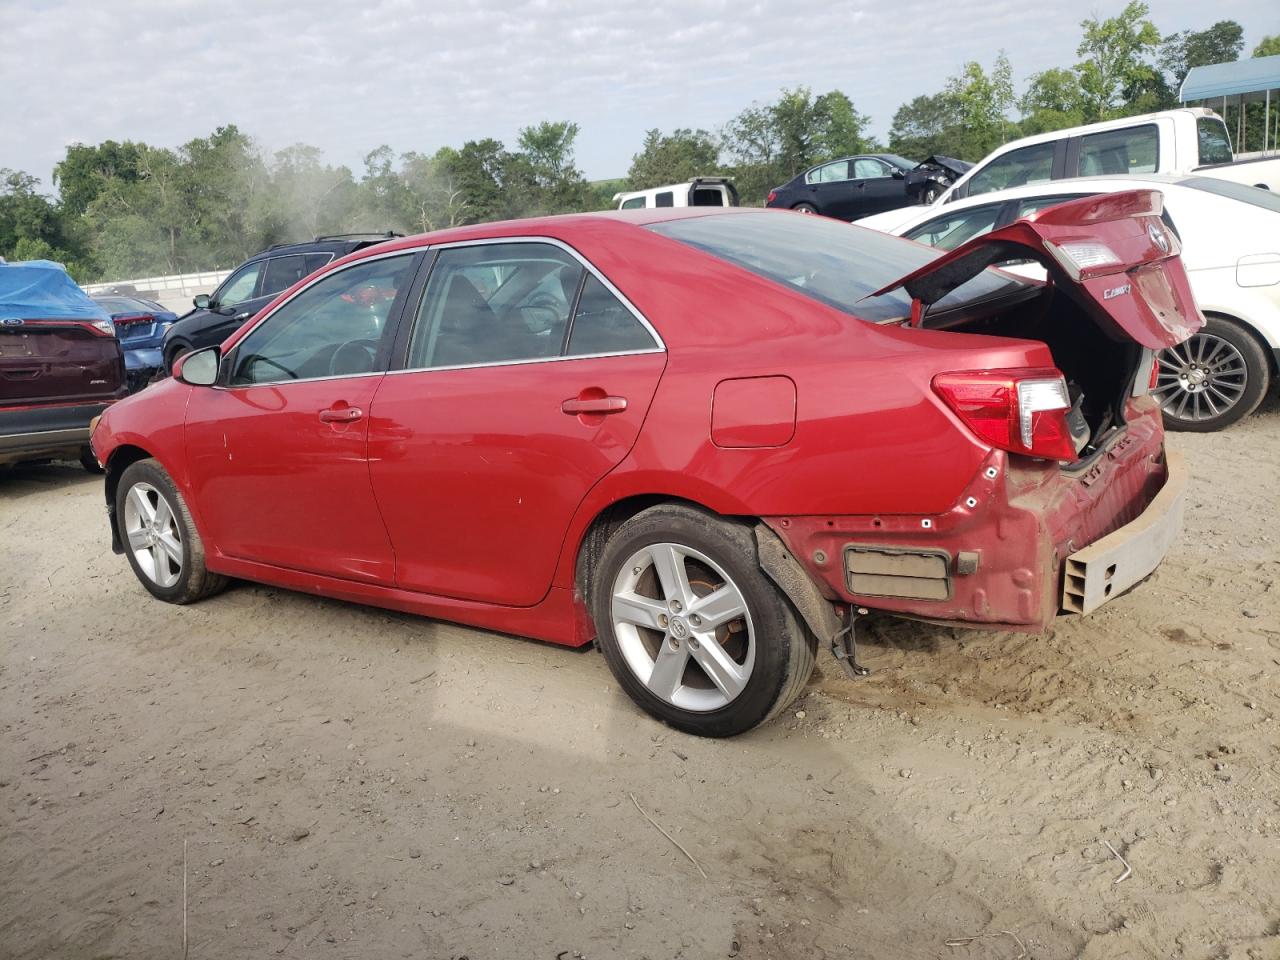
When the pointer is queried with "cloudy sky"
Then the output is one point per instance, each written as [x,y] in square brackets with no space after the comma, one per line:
[418,74]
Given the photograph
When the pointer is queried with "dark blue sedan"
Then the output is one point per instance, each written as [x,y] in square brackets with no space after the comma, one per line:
[140,326]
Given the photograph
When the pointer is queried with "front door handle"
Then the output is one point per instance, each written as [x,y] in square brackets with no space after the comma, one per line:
[341,415]
[600,405]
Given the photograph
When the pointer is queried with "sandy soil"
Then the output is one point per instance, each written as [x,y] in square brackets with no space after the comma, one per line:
[351,783]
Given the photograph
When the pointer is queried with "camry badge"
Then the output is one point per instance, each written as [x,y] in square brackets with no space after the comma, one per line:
[1116,292]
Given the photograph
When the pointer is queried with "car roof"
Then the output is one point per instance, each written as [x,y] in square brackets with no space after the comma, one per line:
[336,245]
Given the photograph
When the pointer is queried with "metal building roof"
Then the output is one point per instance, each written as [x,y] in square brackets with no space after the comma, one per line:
[1231,79]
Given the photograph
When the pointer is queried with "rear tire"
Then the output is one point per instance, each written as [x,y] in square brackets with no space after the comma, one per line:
[1216,378]
[691,627]
[805,208]
[160,538]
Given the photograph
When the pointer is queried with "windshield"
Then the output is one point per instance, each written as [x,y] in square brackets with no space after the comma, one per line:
[826,260]
[902,163]
[1235,191]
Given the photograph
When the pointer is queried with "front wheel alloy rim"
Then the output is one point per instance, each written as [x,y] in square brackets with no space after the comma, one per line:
[683,627]
[153,534]
[1201,378]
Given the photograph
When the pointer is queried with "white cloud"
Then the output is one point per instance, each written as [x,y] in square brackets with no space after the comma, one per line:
[418,75]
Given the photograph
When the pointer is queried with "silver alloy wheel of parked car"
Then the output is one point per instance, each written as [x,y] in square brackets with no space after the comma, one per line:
[1201,379]
[683,627]
[154,536]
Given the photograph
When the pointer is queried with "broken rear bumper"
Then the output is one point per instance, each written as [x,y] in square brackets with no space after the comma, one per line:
[997,559]
[1110,566]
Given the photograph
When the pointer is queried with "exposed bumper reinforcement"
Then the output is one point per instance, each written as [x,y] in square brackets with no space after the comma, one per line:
[1107,568]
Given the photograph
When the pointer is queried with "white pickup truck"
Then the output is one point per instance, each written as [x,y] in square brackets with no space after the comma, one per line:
[1181,141]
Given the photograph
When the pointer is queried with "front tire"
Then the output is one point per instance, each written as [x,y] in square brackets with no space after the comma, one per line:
[160,539]
[1212,380]
[179,349]
[691,627]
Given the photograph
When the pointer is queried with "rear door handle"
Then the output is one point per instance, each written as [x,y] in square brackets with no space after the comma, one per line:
[578,406]
[341,415]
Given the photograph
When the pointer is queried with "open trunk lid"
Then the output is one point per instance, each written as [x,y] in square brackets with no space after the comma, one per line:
[1111,254]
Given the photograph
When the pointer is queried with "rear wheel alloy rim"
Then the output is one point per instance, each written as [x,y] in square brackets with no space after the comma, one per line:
[1201,378]
[683,627]
[153,534]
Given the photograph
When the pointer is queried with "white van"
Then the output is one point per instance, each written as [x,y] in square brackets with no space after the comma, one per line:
[698,192]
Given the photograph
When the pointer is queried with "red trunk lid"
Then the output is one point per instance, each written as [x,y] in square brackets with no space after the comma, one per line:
[1112,254]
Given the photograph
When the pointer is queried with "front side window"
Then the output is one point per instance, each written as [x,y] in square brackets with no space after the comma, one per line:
[635,203]
[240,286]
[282,273]
[866,168]
[337,327]
[1215,143]
[949,231]
[1117,152]
[1032,164]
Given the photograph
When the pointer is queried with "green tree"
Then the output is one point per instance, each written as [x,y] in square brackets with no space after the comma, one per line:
[1053,100]
[1116,78]
[33,228]
[1220,43]
[435,194]
[771,143]
[674,158]
[84,172]
[925,126]
[1269,47]
[981,103]
[541,177]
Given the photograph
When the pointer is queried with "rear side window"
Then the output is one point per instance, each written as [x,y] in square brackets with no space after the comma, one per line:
[1032,164]
[829,173]
[1133,150]
[664,199]
[1215,143]
[635,203]
[495,303]
[949,231]
[603,324]
[282,273]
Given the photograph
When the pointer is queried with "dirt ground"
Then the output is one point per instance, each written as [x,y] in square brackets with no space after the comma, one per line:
[349,783]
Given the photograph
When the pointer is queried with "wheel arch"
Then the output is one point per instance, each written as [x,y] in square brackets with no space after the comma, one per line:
[122,457]
[772,556]
[1273,360]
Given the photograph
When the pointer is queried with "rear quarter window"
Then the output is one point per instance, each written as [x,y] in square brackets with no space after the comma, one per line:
[1215,142]
[1132,150]
[1033,164]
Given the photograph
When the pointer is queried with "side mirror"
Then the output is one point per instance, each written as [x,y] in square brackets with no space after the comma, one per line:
[898,174]
[202,302]
[198,369]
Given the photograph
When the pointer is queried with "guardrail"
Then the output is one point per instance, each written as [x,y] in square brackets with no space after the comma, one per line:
[174,291]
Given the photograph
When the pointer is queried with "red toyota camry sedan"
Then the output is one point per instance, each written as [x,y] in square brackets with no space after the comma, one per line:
[706,438]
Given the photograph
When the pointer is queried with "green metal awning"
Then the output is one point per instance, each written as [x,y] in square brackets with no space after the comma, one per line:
[1218,80]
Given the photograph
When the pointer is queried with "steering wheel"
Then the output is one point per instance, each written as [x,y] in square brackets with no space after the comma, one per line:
[354,357]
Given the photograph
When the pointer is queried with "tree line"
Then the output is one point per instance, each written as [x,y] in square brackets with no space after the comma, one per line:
[129,209]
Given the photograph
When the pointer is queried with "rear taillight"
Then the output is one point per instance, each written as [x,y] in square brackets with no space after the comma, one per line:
[773,195]
[131,318]
[1022,410]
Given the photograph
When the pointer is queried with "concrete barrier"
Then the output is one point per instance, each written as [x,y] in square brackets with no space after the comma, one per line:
[173,292]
